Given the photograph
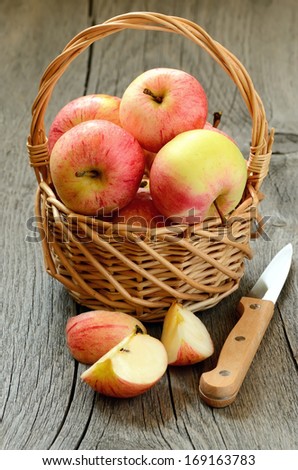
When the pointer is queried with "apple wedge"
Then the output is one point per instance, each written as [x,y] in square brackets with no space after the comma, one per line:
[184,336]
[129,368]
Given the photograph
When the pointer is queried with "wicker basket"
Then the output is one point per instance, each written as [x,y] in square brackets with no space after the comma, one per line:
[104,266]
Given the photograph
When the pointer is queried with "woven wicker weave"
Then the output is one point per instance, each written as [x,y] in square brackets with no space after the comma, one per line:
[106,266]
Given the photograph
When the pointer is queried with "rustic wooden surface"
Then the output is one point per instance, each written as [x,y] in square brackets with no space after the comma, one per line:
[44,404]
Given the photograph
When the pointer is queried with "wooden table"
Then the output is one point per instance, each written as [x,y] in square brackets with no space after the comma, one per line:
[45,405]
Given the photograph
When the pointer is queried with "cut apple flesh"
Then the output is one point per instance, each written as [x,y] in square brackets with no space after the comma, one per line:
[130,368]
[185,337]
[140,360]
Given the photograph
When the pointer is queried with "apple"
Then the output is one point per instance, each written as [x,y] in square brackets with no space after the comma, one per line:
[161,103]
[198,174]
[130,368]
[185,337]
[90,335]
[84,108]
[210,127]
[140,212]
[149,157]
[96,167]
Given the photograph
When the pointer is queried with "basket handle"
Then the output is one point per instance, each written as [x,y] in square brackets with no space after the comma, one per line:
[261,142]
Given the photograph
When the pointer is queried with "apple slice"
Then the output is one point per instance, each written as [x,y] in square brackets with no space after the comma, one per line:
[185,337]
[129,368]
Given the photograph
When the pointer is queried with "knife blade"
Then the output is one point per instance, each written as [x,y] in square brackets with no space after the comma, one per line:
[220,386]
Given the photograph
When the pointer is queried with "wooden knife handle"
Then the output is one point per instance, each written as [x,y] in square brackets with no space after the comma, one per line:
[219,387]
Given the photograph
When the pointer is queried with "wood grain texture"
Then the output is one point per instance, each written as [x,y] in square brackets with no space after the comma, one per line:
[45,405]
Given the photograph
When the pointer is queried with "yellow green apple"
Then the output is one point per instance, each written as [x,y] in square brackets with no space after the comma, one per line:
[210,127]
[193,171]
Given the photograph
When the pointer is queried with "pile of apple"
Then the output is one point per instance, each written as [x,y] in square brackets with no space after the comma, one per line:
[101,147]
[125,360]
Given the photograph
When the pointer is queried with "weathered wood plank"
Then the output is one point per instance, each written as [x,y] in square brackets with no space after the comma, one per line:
[45,404]
[37,374]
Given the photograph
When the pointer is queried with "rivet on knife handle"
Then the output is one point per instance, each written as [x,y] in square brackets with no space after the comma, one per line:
[219,387]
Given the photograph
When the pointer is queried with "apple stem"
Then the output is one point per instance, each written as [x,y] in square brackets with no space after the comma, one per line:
[221,214]
[156,98]
[216,118]
[90,173]
[139,330]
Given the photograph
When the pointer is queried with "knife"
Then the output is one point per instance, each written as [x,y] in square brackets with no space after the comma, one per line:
[220,386]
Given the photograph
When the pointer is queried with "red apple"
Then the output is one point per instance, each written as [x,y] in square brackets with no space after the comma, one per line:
[161,103]
[96,167]
[140,212]
[84,108]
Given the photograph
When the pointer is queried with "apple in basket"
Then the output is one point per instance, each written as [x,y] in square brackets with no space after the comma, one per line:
[84,108]
[210,127]
[129,368]
[197,174]
[140,212]
[161,103]
[90,335]
[149,157]
[185,337]
[96,167]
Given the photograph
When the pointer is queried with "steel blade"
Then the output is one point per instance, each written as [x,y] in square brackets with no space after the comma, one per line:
[271,281]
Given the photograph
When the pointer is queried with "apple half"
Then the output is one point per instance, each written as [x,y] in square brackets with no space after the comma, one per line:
[185,337]
[129,368]
[92,334]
